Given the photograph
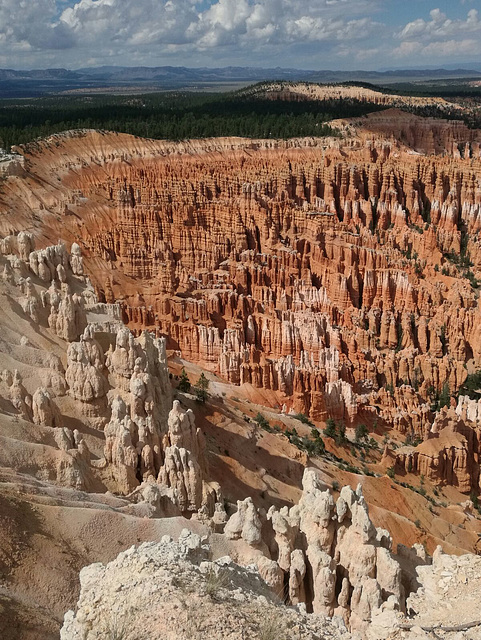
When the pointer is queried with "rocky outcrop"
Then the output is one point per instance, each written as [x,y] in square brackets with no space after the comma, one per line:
[329,273]
[231,600]
[18,395]
[245,524]
[85,374]
[185,469]
[135,435]
[329,553]
[67,315]
[44,410]
[119,450]
[225,600]
[450,455]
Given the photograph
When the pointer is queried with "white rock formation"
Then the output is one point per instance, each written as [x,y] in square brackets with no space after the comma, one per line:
[45,412]
[85,374]
[144,588]
[331,555]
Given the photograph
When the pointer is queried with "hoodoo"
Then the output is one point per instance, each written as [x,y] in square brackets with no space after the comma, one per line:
[325,293]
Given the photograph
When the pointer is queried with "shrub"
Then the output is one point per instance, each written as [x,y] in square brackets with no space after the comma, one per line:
[391,472]
[471,386]
[263,422]
[341,434]
[475,283]
[270,629]
[304,419]
[214,582]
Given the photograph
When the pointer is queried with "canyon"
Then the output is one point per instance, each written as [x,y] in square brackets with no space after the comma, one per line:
[98,450]
[313,281]
[340,276]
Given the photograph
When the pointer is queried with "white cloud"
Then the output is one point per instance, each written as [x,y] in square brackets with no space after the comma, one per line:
[218,32]
[440,27]
[224,23]
[27,25]
[441,37]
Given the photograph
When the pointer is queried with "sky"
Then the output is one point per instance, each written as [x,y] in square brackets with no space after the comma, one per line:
[304,34]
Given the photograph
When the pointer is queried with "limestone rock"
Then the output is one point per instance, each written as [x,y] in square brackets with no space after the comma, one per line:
[84,375]
[245,524]
[45,412]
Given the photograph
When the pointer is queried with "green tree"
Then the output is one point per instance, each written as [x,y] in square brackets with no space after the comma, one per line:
[330,430]
[362,433]
[201,388]
[184,382]
[444,396]
[341,434]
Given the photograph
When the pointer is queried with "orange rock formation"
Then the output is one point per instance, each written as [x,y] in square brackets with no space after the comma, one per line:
[315,269]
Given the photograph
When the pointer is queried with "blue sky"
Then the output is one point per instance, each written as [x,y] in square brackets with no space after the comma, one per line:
[311,34]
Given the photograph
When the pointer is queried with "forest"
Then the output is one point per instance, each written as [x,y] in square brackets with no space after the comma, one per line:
[173,116]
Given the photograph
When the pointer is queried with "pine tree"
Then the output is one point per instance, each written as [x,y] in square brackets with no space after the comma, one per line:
[184,382]
[362,432]
[201,387]
[444,396]
[330,431]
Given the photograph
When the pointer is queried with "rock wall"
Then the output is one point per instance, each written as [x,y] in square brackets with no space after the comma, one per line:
[322,271]
[450,455]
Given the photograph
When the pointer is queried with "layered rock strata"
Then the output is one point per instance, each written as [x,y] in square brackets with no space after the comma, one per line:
[322,555]
[325,272]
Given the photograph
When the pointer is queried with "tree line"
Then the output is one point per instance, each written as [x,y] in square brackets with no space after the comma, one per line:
[174,116]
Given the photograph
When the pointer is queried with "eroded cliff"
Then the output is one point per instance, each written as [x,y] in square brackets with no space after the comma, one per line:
[326,272]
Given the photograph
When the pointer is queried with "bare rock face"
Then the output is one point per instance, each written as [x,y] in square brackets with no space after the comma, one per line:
[30,302]
[241,606]
[181,473]
[285,529]
[45,412]
[319,271]
[21,245]
[76,260]
[67,315]
[329,553]
[145,438]
[450,453]
[121,361]
[119,450]
[85,374]
[19,397]
[185,468]
[54,379]
[245,524]
[138,373]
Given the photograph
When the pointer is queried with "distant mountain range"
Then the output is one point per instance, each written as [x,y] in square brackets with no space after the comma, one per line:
[37,82]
